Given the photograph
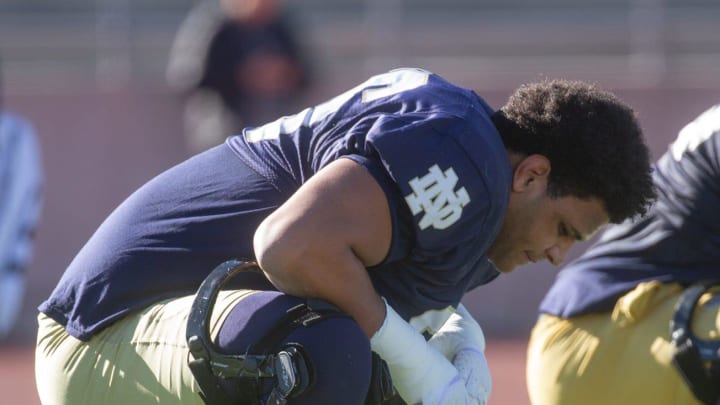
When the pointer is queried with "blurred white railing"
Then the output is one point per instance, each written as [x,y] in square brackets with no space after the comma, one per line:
[106,44]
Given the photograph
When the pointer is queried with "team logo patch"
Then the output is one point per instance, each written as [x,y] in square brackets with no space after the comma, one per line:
[434,195]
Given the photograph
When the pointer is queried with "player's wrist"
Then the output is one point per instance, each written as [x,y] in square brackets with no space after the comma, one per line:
[419,372]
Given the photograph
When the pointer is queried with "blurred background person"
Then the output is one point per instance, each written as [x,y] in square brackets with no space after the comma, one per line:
[238,64]
[20,201]
[611,309]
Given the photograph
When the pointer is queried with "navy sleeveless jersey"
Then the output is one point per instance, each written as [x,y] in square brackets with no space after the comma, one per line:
[430,144]
[678,241]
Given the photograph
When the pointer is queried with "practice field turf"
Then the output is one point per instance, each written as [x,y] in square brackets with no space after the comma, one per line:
[507,362]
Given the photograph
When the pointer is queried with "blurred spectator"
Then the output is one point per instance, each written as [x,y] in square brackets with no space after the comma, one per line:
[238,64]
[20,201]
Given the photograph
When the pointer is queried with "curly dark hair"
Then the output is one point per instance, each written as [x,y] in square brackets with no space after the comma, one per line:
[592,139]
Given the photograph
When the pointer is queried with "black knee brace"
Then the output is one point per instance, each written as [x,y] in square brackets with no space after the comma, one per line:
[288,366]
[696,360]
[381,391]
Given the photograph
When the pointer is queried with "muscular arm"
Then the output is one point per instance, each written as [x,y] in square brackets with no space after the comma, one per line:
[319,242]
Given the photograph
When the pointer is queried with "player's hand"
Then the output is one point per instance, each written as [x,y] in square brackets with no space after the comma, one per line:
[473,368]
[450,393]
[461,340]
[420,373]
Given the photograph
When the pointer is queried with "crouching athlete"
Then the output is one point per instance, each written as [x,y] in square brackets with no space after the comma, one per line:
[644,299]
[369,216]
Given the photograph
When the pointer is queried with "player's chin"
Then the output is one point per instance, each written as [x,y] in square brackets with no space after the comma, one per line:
[505,267]
[509,265]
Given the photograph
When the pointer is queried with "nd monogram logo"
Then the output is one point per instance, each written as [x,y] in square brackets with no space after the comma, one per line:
[435,195]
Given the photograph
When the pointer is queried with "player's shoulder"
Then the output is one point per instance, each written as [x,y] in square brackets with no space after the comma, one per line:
[417,82]
[697,133]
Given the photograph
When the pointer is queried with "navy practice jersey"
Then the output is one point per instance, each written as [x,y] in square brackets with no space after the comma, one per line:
[430,144]
[678,241]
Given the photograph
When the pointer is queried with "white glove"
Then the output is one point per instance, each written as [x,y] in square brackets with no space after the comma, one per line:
[461,340]
[420,373]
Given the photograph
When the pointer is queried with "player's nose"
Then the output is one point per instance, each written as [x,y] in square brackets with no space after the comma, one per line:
[557,253]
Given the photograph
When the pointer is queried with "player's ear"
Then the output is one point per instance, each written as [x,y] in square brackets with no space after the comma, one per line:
[532,172]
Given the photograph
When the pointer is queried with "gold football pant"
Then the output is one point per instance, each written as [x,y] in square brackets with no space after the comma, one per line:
[619,358]
[141,359]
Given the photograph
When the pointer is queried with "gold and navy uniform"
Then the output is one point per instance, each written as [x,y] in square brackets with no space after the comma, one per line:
[603,335]
[678,241]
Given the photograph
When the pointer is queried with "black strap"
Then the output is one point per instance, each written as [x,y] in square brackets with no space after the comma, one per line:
[691,353]
[210,367]
[289,364]
[301,315]
[201,347]
[381,391]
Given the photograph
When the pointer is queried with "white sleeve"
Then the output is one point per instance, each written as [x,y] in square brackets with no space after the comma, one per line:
[420,373]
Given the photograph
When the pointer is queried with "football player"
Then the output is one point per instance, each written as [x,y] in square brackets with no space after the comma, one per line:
[358,225]
[640,300]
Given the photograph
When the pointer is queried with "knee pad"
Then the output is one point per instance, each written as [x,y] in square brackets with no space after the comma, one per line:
[274,348]
[337,350]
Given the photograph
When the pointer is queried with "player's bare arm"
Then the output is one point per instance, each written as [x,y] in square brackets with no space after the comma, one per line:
[319,243]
